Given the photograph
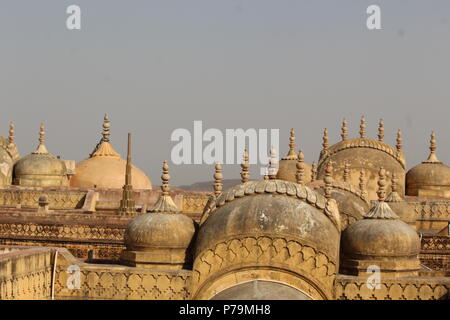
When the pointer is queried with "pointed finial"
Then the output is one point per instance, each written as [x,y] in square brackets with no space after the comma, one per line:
[432,157]
[245,175]
[325,139]
[106,126]
[127,204]
[381,130]
[300,175]
[11,133]
[165,177]
[272,168]
[291,154]
[394,183]
[347,172]
[394,196]
[313,171]
[362,127]
[381,185]
[344,130]
[128,166]
[399,141]
[362,184]
[41,149]
[218,185]
[328,180]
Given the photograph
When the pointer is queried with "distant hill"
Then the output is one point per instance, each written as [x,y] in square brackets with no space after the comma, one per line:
[208,185]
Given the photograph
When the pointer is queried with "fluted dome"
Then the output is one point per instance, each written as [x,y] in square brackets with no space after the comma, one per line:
[380,239]
[430,178]
[270,224]
[106,169]
[40,168]
[364,154]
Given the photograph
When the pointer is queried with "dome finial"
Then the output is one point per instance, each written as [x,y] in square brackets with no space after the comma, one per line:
[362,184]
[272,169]
[291,154]
[106,125]
[41,149]
[381,130]
[362,127]
[399,141]
[300,168]
[328,180]
[325,139]
[165,203]
[313,171]
[381,185]
[432,157]
[127,205]
[394,196]
[245,174]
[218,185]
[346,176]
[344,130]
[11,133]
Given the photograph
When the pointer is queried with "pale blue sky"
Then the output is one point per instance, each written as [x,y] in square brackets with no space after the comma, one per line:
[155,66]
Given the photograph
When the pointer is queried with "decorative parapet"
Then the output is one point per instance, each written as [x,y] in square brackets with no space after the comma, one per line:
[431,210]
[417,288]
[58,199]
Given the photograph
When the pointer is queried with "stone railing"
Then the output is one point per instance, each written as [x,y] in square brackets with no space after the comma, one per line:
[26,273]
[431,210]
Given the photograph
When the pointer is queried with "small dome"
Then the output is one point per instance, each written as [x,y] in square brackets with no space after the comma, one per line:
[106,169]
[159,230]
[40,168]
[380,239]
[430,178]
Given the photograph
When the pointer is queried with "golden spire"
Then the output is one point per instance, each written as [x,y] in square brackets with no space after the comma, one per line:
[313,171]
[328,180]
[362,184]
[300,168]
[165,203]
[399,141]
[344,130]
[291,154]
[381,184]
[41,149]
[432,157]
[347,172]
[362,127]
[381,209]
[11,133]
[325,139]
[127,205]
[218,185]
[245,174]
[381,130]
[106,126]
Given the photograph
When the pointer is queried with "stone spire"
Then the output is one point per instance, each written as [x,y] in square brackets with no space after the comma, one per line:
[432,157]
[399,141]
[381,209]
[218,185]
[344,130]
[346,176]
[41,149]
[381,130]
[394,196]
[165,203]
[245,174]
[362,127]
[313,171]
[11,133]
[127,205]
[362,184]
[273,164]
[291,154]
[300,175]
[325,144]
[328,180]
[106,126]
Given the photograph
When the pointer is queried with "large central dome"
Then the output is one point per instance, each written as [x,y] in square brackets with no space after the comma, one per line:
[106,169]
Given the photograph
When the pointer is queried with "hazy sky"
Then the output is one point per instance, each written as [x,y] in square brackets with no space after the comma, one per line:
[155,66]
